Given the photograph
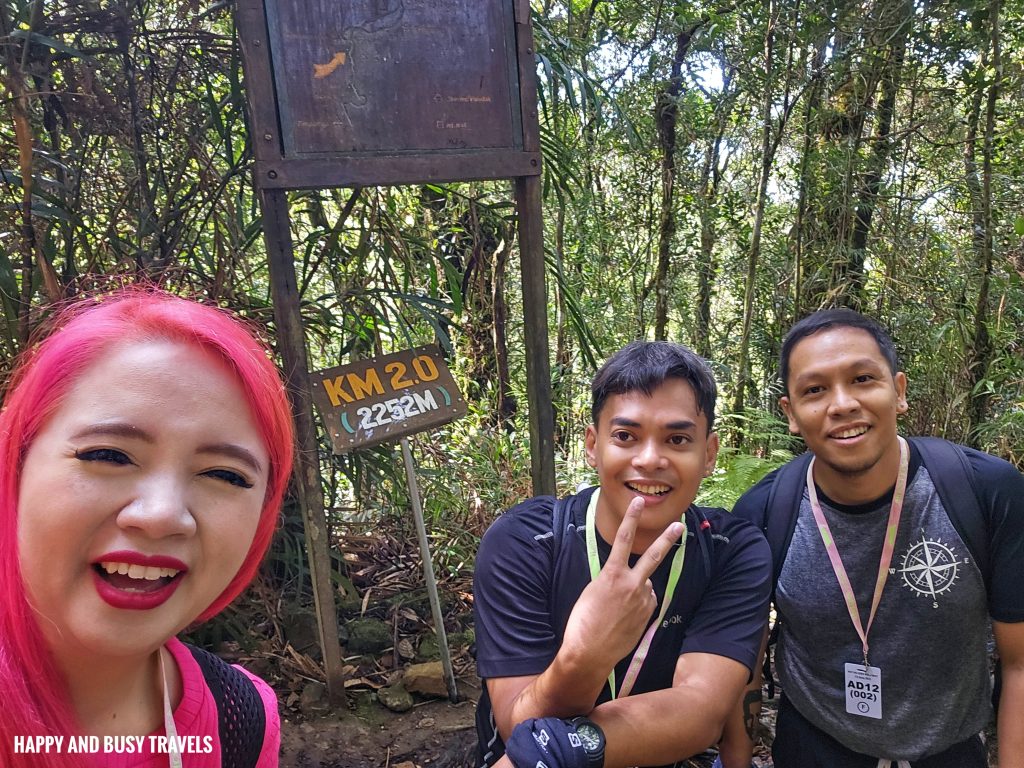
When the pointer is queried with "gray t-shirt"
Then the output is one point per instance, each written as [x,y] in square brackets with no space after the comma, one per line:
[928,638]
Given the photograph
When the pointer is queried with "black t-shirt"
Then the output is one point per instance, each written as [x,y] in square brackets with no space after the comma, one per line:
[528,579]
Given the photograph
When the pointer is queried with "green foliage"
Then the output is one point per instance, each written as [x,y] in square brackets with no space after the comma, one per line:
[735,473]
[738,469]
[138,167]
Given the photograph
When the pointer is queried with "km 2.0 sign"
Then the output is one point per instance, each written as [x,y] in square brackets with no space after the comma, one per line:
[384,398]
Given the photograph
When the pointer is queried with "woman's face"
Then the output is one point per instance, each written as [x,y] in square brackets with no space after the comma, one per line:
[139,499]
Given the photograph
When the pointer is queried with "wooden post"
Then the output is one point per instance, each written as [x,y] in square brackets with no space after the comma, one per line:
[428,572]
[533,269]
[535,304]
[292,345]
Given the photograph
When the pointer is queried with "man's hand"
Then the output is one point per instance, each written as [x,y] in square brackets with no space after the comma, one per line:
[615,608]
[605,624]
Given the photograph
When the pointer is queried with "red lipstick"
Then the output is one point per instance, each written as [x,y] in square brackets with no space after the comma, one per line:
[137,558]
[131,599]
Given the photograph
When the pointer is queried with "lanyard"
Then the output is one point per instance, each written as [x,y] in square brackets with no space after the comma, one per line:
[640,655]
[887,547]
[174,754]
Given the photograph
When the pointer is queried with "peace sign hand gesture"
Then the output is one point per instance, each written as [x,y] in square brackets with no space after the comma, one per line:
[615,608]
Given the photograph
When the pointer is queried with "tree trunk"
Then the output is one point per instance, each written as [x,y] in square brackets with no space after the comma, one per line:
[882,146]
[666,111]
[767,154]
[708,195]
[811,128]
[31,253]
[981,350]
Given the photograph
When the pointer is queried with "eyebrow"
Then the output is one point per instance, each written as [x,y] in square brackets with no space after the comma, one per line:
[619,421]
[681,425]
[235,451]
[864,362]
[132,432]
[114,429]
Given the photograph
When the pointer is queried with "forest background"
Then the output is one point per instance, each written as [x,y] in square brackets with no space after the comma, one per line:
[712,172]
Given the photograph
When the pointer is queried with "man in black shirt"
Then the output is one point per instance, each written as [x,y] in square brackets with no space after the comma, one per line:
[597,646]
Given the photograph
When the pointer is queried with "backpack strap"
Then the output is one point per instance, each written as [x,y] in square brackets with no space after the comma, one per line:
[953,477]
[559,517]
[560,511]
[241,719]
[955,482]
[780,513]
[777,522]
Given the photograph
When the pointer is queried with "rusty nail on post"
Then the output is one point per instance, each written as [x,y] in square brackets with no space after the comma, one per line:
[256,43]
[272,174]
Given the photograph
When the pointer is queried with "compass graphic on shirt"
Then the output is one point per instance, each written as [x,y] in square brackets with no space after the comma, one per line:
[929,568]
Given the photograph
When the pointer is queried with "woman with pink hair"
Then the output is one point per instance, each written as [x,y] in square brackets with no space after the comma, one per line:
[145,448]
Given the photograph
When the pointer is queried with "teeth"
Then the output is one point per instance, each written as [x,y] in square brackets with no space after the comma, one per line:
[145,572]
[650,490]
[851,432]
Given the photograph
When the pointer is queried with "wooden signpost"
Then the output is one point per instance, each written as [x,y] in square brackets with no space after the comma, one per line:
[380,92]
[385,398]
[389,398]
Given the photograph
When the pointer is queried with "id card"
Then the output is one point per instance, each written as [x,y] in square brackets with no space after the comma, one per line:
[864,691]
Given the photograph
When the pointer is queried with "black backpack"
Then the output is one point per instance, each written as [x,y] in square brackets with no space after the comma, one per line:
[241,720]
[950,472]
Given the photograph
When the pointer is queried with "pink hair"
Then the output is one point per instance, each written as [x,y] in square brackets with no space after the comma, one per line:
[32,689]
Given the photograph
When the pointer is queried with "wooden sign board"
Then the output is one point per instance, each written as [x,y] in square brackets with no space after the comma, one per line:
[384,398]
[367,92]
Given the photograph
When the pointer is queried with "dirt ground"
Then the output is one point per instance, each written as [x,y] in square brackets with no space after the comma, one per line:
[434,733]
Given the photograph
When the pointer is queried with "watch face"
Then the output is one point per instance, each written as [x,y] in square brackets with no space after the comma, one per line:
[590,736]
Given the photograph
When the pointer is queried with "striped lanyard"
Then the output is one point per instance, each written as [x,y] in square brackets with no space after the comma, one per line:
[887,547]
[640,655]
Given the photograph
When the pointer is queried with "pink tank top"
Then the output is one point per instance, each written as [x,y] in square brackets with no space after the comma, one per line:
[196,717]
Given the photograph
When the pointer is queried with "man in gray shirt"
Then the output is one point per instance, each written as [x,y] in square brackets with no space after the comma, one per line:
[884,610]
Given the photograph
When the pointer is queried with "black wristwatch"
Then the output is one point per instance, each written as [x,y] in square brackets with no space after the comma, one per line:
[592,739]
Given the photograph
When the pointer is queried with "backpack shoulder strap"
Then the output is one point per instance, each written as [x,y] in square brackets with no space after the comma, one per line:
[778,521]
[782,509]
[559,519]
[559,514]
[241,719]
[953,477]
